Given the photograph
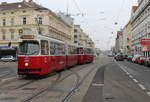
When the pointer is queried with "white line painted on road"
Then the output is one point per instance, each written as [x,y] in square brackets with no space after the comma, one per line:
[127,73]
[4,73]
[148,93]
[130,76]
[97,85]
[142,86]
[135,80]
[8,79]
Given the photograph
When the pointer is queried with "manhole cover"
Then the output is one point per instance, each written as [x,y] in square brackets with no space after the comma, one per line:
[29,89]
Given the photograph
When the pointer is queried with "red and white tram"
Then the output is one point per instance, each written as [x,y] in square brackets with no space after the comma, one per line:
[44,55]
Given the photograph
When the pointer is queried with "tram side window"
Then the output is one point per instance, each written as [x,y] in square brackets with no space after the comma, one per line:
[61,49]
[57,48]
[89,51]
[44,47]
[52,48]
[72,50]
[80,51]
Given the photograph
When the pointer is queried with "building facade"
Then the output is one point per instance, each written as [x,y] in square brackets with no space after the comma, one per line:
[119,42]
[140,21]
[81,38]
[129,39]
[27,17]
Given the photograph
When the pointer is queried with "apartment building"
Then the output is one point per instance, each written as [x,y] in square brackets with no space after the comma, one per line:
[129,38]
[140,21]
[28,17]
[81,38]
[119,42]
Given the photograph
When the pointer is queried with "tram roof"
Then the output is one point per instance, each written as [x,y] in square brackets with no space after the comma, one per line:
[45,37]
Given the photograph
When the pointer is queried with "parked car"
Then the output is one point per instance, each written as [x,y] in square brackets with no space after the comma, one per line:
[125,56]
[119,57]
[141,59]
[135,58]
[8,58]
[129,58]
[147,61]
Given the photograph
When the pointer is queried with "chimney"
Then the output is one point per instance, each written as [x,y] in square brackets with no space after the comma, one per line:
[4,3]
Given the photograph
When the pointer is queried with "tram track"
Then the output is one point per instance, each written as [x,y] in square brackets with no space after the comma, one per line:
[60,79]
[25,84]
[4,74]
[42,90]
[57,81]
[77,85]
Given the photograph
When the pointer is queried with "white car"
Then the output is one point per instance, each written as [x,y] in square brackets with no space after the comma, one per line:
[135,58]
[7,58]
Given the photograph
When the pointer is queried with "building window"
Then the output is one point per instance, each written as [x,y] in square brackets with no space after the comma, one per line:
[12,35]
[12,21]
[24,20]
[3,35]
[75,30]
[4,22]
[75,41]
[75,36]
[40,20]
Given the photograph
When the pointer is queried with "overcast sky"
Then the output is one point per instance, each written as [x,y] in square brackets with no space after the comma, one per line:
[99,16]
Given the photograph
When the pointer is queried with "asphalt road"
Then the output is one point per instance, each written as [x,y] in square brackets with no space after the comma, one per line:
[105,80]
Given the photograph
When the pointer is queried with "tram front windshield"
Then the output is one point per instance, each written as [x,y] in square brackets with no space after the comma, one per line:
[29,48]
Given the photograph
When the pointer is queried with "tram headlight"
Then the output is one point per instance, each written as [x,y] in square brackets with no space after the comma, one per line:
[26,64]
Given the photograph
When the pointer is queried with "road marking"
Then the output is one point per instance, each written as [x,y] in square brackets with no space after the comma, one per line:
[8,79]
[130,76]
[135,80]
[97,85]
[142,86]
[2,74]
[127,73]
[148,93]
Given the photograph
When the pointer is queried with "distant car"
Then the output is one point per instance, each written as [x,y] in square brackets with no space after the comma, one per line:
[129,58]
[125,56]
[110,55]
[135,58]
[8,58]
[147,61]
[119,57]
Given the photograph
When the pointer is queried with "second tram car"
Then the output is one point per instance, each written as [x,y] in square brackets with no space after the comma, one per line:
[44,55]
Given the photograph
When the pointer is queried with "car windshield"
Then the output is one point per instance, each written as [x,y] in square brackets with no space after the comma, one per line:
[29,48]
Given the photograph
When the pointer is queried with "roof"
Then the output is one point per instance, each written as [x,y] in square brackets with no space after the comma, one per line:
[19,5]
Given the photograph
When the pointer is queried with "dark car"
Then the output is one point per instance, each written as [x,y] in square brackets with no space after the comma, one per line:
[129,58]
[125,56]
[119,57]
